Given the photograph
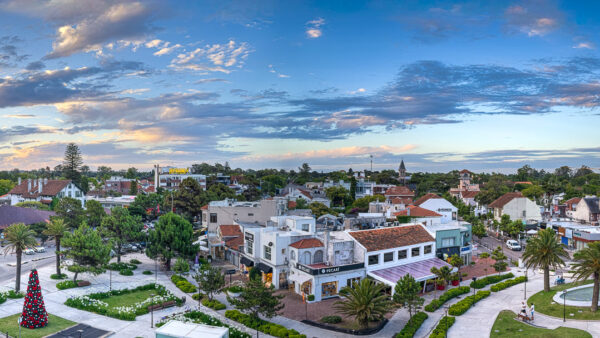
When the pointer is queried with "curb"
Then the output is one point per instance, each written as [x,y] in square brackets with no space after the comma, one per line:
[29,261]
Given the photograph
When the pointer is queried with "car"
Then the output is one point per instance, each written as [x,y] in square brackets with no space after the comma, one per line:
[28,251]
[39,249]
[513,245]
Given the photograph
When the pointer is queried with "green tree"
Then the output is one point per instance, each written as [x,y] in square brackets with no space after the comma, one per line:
[133,189]
[120,228]
[56,229]
[87,251]
[5,186]
[19,238]
[104,173]
[94,213]
[478,229]
[319,209]
[338,195]
[70,210]
[533,192]
[171,237]
[132,173]
[444,273]
[456,261]
[33,205]
[587,264]
[143,202]
[493,189]
[500,258]
[545,251]
[363,203]
[211,280]
[406,294]
[353,188]
[365,301]
[72,162]
[301,203]
[188,199]
[257,299]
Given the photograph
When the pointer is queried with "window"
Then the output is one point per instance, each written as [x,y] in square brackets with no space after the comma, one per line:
[350,281]
[318,257]
[414,252]
[213,218]
[448,241]
[388,257]
[402,254]
[306,257]
[305,227]
[267,252]
[293,255]
[524,213]
[373,259]
[427,249]
[250,247]
[250,214]
[283,251]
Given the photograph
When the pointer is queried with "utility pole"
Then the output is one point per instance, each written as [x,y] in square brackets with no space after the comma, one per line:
[371,162]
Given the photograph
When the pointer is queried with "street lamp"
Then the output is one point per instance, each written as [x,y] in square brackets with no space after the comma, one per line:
[445,319]
[151,312]
[110,280]
[565,305]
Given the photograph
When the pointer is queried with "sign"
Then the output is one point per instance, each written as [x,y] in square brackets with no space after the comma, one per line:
[328,270]
[178,171]
[465,249]
[444,210]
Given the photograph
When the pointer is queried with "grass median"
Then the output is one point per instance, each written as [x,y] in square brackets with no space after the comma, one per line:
[507,326]
[544,303]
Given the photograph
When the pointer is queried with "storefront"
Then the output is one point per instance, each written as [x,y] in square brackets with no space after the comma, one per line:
[324,281]
[246,263]
[266,272]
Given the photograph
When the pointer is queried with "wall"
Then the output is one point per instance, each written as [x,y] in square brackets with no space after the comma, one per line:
[229,214]
[396,261]
[442,207]
[516,206]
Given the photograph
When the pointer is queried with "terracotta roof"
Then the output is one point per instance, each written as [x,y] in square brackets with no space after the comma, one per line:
[10,215]
[49,188]
[416,211]
[464,171]
[502,200]
[235,243]
[399,200]
[305,193]
[523,182]
[307,243]
[292,204]
[394,237]
[468,194]
[573,200]
[230,230]
[204,207]
[425,198]
[399,191]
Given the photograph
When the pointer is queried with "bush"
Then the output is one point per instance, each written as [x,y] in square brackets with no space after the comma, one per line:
[508,283]
[134,261]
[213,304]
[183,284]
[68,284]
[442,327]
[452,293]
[121,266]
[197,296]
[484,255]
[147,272]
[181,265]
[126,272]
[462,306]
[331,319]
[14,295]
[57,276]
[483,282]
[413,324]
[311,298]
[235,289]
[262,325]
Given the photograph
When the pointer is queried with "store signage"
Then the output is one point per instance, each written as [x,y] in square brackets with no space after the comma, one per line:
[178,171]
[444,210]
[328,270]
[465,249]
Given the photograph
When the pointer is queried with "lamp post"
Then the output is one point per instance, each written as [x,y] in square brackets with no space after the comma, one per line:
[445,319]
[525,290]
[565,305]
[151,312]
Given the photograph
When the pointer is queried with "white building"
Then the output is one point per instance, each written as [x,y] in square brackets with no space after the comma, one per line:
[440,205]
[231,211]
[44,190]
[170,178]
[515,205]
[111,201]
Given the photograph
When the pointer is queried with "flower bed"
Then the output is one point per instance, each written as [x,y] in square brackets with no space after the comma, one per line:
[413,325]
[483,282]
[442,327]
[331,319]
[183,284]
[508,283]
[261,325]
[452,293]
[462,306]
[94,302]
[213,304]
[198,317]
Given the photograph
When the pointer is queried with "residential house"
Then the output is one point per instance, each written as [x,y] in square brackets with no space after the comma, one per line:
[294,192]
[44,190]
[587,210]
[420,215]
[571,206]
[230,211]
[464,184]
[233,241]
[399,192]
[440,205]
[515,205]
[118,184]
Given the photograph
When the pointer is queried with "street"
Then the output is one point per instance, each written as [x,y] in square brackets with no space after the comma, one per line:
[489,243]
[33,261]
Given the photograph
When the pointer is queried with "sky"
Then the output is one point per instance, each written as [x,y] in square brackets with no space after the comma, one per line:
[487,86]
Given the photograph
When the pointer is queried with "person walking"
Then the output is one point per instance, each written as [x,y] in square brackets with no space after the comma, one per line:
[532,310]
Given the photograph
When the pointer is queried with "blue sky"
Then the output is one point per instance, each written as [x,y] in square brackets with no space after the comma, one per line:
[442,85]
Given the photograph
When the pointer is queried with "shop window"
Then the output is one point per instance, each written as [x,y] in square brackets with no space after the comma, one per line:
[329,289]
[388,257]
[448,241]
[373,259]
[267,252]
[427,249]
[318,257]
[414,252]
[213,218]
[402,254]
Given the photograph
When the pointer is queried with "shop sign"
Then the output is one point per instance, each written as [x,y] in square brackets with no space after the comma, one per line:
[328,270]
[178,171]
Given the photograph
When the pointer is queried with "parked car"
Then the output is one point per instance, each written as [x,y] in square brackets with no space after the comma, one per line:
[39,249]
[28,251]
[513,245]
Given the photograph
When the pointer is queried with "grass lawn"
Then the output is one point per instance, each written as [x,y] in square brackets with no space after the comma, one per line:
[543,304]
[509,327]
[128,298]
[55,324]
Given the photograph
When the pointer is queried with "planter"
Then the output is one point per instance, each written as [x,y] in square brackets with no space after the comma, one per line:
[441,287]
[455,283]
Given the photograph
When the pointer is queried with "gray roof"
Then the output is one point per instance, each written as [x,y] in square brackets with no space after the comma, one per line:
[10,215]
[592,203]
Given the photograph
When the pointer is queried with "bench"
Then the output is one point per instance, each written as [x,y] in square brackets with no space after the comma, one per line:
[83,283]
[162,305]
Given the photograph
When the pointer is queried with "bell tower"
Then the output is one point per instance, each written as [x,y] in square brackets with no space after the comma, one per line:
[402,173]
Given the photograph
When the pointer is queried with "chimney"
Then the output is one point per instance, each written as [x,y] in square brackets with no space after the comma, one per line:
[28,184]
[19,181]
[40,183]
[46,180]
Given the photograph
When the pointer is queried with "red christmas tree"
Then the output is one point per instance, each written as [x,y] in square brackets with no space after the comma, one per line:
[34,312]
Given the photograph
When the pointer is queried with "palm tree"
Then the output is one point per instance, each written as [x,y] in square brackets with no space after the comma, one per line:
[56,228]
[444,273]
[545,251]
[365,301]
[587,263]
[19,238]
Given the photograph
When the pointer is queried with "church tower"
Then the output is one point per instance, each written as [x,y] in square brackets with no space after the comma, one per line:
[402,173]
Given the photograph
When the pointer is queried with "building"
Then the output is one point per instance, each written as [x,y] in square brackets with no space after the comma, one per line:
[231,212]
[420,215]
[111,201]
[232,238]
[452,238]
[571,206]
[440,205]
[10,215]
[170,178]
[402,177]
[401,192]
[118,184]
[293,193]
[464,184]
[515,205]
[44,190]
[587,210]
[575,235]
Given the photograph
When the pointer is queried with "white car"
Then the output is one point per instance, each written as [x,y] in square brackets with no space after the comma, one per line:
[513,245]
[39,249]
[28,251]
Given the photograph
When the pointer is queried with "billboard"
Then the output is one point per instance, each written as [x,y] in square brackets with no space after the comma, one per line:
[178,171]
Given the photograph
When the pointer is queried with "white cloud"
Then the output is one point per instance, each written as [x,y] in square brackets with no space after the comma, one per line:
[279,75]
[358,91]
[213,58]
[164,47]
[313,28]
[585,45]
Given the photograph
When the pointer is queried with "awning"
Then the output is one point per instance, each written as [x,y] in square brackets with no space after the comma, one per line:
[420,271]
[532,232]
[299,278]
[264,268]
[203,248]
[247,262]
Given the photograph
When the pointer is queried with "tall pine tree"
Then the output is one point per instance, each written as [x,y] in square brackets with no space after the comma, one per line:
[72,163]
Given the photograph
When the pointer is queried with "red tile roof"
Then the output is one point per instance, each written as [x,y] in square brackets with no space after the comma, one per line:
[399,191]
[398,200]
[425,198]
[416,211]
[235,243]
[504,199]
[292,204]
[468,194]
[464,171]
[573,200]
[307,243]
[204,207]
[229,230]
[394,237]
[49,188]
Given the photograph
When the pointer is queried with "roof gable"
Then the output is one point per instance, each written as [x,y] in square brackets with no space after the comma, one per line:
[49,188]
[416,211]
[229,230]
[307,243]
[394,237]
[425,198]
[399,191]
[501,201]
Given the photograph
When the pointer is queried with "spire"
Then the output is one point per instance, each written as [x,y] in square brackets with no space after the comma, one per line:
[402,167]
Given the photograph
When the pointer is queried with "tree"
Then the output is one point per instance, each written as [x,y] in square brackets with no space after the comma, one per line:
[121,228]
[478,229]
[56,229]
[257,299]
[363,203]
[5,186]
[211,280]
[145,206]
[301,203]
[87,251]
[34,315]
[70,210]
[72,162]
[94,213]
[188,199]
[587,264]
[533,192]
[499,256]
[132,173]
[493,189]
[545,251]
[353,188]
[171,237]
[406,294]
[319,209]
[444,273]
[19,237]
[338,195]
[365,301]
[133,189]
[584,170]
[104,173]
[456,261]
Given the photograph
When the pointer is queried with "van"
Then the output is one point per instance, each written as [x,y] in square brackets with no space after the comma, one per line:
[513,245]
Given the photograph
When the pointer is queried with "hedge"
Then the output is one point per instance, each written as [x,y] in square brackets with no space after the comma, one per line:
[10,294]
[57,276]
[234,289]
[67,284]
[183,284]
[508,283]
[452,293]
[121,266]
[442,327]
[126,272]
[331,319]
[483,282]
[462,306]
[263,326]
[134,261]
[413,325]
[213,304]
[147,272]
[311,298]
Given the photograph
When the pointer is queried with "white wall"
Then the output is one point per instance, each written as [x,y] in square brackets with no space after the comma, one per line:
[396,261]
[516,206]
[442,207]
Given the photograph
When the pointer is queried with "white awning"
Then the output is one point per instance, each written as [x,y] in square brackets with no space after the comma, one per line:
[203,248]
[300,278]
[532,232]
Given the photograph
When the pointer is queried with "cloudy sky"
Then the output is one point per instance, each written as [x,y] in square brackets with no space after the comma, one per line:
[442,85]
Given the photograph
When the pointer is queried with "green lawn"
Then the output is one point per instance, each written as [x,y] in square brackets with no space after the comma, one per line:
[128,298]
[543,304]
[55,324]
[507,326]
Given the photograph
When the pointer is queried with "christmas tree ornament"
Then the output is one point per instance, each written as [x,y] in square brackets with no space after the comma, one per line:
[34,314]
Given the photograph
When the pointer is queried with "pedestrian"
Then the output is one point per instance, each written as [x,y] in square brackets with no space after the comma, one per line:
[523,308]
[532,310]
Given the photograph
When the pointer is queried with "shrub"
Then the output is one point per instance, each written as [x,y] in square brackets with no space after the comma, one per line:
[134,261]
[57,276]
[484,255]
[331,319]
[452,293]
[462,306]
[442,327]
[197,296]
[213,304]
[183,284]
[14,295]
[254,273]
[147,272]
[181,265]
[121,266]
[508,283]
[311,298]
[413,325]
[483,282]
[126,272]
[262,325]
[235,289]
[67,284]
[2,298]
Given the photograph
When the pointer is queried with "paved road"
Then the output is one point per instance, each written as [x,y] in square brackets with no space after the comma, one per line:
[490,243]
[7,273]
